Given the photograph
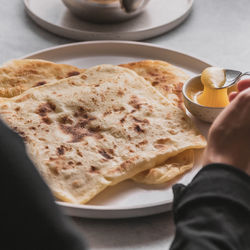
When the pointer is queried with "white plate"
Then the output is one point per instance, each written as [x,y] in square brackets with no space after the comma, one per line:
[159,17]
[127,199]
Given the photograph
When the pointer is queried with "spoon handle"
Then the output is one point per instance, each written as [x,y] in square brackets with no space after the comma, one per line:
[245,74]
[238,77]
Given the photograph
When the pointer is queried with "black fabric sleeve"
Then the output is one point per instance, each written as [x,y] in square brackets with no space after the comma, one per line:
[30,219]
[213,211]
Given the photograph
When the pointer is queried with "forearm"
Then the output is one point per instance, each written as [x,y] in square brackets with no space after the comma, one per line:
[29,215]
[213,211]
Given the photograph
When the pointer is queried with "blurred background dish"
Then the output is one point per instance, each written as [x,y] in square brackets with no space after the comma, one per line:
[106,11]
[158,17]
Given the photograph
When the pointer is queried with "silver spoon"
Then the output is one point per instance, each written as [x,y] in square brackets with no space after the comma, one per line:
[232,77]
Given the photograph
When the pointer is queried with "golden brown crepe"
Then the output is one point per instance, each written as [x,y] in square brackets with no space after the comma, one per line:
[168,79]
[90,131]
[17,76]
[165,77]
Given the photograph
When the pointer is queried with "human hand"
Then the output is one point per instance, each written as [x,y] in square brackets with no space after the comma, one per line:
[229,135]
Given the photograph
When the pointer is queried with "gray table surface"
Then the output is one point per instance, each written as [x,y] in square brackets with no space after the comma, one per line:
[217,31]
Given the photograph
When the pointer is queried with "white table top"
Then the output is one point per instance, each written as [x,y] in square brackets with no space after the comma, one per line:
[216,31]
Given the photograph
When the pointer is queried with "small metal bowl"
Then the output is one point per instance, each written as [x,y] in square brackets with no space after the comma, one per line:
[104,11]
[207,114]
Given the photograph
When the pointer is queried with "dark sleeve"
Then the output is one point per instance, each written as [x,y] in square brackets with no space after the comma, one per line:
[213,211]
[30,218]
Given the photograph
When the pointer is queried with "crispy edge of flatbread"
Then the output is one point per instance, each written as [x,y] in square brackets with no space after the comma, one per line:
[169,170]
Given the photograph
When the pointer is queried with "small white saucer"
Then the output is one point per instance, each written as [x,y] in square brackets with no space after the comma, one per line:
[159,17]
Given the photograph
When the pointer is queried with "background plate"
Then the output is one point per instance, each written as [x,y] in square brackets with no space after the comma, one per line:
[160,16]
[127,199]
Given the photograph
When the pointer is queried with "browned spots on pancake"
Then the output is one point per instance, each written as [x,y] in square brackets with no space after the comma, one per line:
[134,102]
[107,113]
[17,109]
[163,141]
[56,164]
[138,129]
[123,119]
[81,112]
[120,93]
[140,121]
[79,153]
[46,120]
[154,83]
[73,73]
[76,184]
[55,170]
[32,128]
[94,100]
[46,108]
[172,132]
[94,129]
[40,83]
[127,164]
[20,132]
[124,166]
[166,88]
[153,73]
[93,169]
[120,109]
[178,91]
[80,130]
[103,97]
[105,154]
[60,150]
[78,163]
[143,142]
[83,76]
[160,146]
[65,120]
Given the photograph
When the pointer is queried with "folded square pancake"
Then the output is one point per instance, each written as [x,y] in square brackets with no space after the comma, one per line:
[165,77]
[17,76]
[168,79]
[90,131]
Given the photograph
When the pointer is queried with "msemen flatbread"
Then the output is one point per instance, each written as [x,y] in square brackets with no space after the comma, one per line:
[165,77]
[168,170]
[168,79]
[17,76]
[94,130]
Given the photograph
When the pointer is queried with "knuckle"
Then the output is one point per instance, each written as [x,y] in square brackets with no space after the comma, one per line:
[244,96]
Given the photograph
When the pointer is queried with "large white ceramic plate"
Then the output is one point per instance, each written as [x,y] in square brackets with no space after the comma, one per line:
[159,17]
[127,199]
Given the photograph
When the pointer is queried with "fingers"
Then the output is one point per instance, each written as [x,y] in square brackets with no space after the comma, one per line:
[232,95]
[243,84]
